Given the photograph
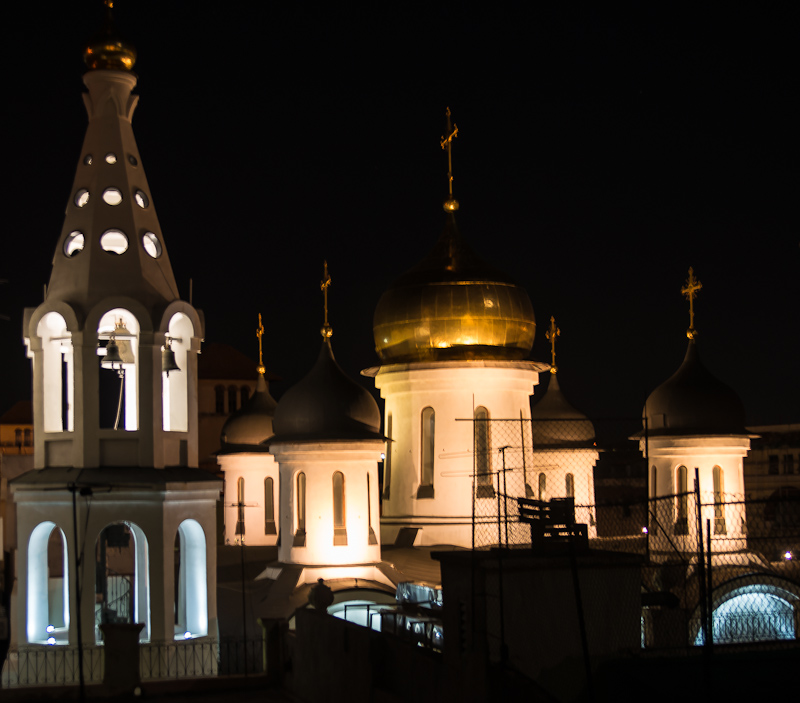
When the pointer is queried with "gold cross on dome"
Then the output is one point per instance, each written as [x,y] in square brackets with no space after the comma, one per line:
[260,334]
[325,283]
[447,143]
[551,334]
[690,291]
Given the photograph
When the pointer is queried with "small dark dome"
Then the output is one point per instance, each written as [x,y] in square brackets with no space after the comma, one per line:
[453,306]
[252,423]
[557,423]
[692,401]
[326,404]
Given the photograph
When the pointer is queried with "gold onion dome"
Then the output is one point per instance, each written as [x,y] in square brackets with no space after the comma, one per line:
[107,50]
[452,306]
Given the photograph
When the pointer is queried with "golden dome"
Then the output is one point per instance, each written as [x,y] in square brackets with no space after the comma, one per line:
[107,50]
[452,306]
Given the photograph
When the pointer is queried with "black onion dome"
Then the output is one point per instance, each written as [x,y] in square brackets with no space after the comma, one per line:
[692,401]
[252,423]
[327,405]
[557,423]
[453,306]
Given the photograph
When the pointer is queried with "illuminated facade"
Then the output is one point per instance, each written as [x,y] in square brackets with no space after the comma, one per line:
[114,355]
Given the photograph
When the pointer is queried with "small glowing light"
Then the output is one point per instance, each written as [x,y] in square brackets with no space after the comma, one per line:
[141,199]
[50,628]
[644,530]
[111,158]
[187,635]
[788,556]
[488,303]
[51,640]
[82,197]
[112,196]
[383,456]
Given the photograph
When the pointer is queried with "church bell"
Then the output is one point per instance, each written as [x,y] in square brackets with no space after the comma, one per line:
[168,362]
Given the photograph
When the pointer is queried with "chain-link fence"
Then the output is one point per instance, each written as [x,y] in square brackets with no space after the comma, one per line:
[716,567]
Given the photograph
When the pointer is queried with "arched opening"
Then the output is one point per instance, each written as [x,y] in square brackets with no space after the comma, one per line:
[339,525]
[300,511]
[117,380]
[240,509]
[542,487]
[269,506]
[122,583]
[428,437]
[681,501]
[48,586]
[175,384]
[719,507]
[58,373]
[570,486]
[387,462]
[372,538]
[483,460]
[191,603]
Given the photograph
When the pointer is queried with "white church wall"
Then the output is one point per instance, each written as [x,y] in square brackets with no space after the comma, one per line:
[253,468]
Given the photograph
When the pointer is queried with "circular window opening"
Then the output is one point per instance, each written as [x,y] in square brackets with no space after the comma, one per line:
[82,197]
[111,158]
[74,243]
[141,199]
[114,241]
[133,160]
[151,244]
[112,196]
[87,159]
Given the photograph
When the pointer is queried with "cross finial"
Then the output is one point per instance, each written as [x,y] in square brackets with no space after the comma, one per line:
[260,334]
[690,291]
[325,283]
[451,204]
[551,334]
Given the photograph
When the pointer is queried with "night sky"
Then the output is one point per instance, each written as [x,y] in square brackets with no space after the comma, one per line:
[600,155]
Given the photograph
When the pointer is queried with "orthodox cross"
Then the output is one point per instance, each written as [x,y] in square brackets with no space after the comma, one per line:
[325,283]
[551,334]
[690,291]
[447,143]
[260,334]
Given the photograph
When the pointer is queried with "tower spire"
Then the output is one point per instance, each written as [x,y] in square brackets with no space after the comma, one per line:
[551,334]
[451,204]
[690,291]
[325,283]
[260,333]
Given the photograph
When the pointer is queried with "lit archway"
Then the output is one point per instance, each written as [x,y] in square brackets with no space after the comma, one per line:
[191,605]
[48,594]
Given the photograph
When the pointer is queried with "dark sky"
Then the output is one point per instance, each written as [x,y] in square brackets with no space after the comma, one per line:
[600,154]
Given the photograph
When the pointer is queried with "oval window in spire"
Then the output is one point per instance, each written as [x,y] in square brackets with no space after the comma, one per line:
[87,159]
[141,199]
[82,197]
[133,160]
[111,158]
[112,196]
[74,243]
[114,241]
[151,244]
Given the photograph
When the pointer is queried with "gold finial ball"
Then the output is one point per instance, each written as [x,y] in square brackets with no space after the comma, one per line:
[326,331]
[450,205]
[107,50]
[691,333]
[261,369]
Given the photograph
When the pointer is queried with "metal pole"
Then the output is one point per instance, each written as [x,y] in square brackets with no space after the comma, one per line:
[81,683]
[244,604]
[505,494]
[701,566]
[710,587]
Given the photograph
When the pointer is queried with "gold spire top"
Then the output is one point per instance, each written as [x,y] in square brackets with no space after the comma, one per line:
[325,283]
[260,333]
[107,50]
[690,291]
[451,204]
[551,334]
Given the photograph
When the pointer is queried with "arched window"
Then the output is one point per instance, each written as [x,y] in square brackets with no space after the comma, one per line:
[118,381]
[300,532]
[570,486]
[240,507]
[175,384]
[58,373]
[269,506]
[719,498]
[387,463]
[244,395]
[192,582]
[542,487]
[219,400]
[682,501]
[372,538]
[18,437]
[28,442]
[232,393]
[483,460]
[339,525]
[428,445]
[48,590]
